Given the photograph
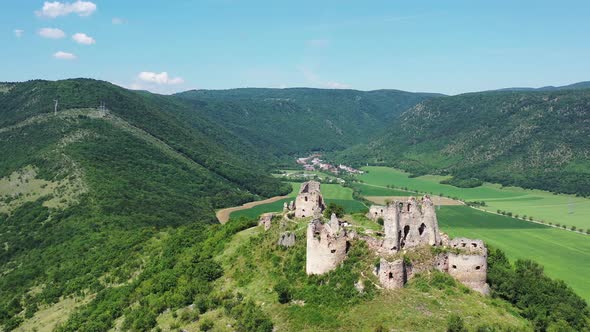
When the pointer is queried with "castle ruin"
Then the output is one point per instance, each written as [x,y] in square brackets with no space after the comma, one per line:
[408,226]
[309,201]
[327,244]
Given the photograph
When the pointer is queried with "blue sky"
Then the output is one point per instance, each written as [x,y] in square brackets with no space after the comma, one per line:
[174,45]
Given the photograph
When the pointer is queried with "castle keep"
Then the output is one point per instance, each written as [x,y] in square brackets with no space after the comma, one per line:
[309,201]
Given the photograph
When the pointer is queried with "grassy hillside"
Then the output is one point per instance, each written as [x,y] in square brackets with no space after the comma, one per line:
[298,120]
[331,302]
[84,196]
[529,139]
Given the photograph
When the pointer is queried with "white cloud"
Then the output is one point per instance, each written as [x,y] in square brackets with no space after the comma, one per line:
[56,8]
[315,79]
[118,21]
[52,33]
[64,56]
[161,78]
[18,33]
[82,38]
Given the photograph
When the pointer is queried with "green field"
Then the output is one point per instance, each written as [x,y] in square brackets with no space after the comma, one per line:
[332,193]
[565,255]
[564,209]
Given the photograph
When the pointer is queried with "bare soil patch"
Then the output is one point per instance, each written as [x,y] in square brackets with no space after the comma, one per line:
[223,214]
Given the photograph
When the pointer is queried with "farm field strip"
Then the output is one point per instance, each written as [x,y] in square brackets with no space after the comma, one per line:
[556,208]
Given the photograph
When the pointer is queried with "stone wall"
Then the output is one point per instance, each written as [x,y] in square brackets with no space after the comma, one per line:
[392,275]
[326,246]
[376,212]
[309,201]
[470,266]
[409,224]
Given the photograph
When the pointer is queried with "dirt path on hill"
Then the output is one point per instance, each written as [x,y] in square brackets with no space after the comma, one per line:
[437,200]
[223,214]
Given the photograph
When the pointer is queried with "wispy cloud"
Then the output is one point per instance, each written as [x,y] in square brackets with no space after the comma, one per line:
[314,79]
[84,39]
[52,33]
[159,78]
[64,56]
[118,21]
[18,33]
[55,9]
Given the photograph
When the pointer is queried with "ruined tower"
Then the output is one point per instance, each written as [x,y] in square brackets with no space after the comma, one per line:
[410,224]
[326,246]
[470,265]
[309,201]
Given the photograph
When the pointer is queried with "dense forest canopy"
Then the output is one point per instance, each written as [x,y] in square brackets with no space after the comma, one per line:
[299,120]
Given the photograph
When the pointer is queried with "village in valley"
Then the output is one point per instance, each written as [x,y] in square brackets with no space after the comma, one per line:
[315,168]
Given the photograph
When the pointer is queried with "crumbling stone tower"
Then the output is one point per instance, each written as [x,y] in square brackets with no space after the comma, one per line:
[326,246]
[470,265]
[309,201]
[410,224]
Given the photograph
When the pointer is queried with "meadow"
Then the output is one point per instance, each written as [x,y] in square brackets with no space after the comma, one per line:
[332,193]
[541,205]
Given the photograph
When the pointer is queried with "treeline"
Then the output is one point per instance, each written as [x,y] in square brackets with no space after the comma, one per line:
[550,305]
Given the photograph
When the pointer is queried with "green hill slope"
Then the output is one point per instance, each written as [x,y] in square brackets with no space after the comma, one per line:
[297,120]
[529,139]
[83,193]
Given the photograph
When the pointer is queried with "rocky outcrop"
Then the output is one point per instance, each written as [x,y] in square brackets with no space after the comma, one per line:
[287,239]
[327,245]
[266,220]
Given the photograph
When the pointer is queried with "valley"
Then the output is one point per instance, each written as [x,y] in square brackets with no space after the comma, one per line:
[148,180]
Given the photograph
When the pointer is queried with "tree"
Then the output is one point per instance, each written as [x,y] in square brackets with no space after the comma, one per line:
[338,210]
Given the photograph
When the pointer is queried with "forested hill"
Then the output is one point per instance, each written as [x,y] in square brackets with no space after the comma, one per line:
[530,139]
[297,120]
[85,194]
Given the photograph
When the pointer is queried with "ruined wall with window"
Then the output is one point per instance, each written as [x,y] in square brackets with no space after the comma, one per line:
[309,201]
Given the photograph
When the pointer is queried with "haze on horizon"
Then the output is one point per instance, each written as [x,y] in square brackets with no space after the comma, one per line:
[451,47]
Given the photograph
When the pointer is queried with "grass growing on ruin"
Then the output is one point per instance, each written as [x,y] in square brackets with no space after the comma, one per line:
[331,302]
[541,205]
[563,254]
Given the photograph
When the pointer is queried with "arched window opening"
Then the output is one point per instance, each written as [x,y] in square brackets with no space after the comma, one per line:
[421,229]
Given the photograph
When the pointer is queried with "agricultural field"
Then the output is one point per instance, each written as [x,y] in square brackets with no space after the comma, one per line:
[565,255]
[332,193]
[541,205]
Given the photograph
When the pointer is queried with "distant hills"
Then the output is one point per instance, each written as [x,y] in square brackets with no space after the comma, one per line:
[533,139]
[574,86]
[298,120]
